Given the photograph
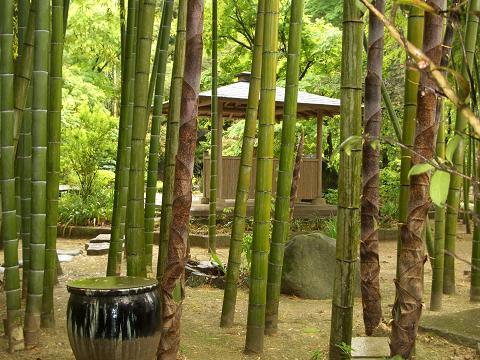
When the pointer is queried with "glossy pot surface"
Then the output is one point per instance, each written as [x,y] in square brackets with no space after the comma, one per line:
[114,318]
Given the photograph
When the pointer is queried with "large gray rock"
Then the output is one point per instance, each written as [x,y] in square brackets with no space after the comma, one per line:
[309,267]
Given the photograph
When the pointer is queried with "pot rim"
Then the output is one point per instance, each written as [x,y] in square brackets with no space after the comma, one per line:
[111,286]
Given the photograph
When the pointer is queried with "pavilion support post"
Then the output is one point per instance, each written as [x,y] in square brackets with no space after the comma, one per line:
[220,194]
[319,200]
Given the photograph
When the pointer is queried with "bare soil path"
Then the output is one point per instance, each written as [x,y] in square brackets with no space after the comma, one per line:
[304,324]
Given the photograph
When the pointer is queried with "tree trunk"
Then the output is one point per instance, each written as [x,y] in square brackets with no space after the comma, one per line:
[412,77]
[135,235]
[281,223]
[244,175]
[263,185]
[114,265]
[456,181]
[171,145]
[409,284]
[182,199]
[348,228]
[370,214]
[152,175]
[7,176]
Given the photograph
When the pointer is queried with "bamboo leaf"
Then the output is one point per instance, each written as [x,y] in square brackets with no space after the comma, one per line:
[349,143]
[452,147]
[439,187]
[420,169]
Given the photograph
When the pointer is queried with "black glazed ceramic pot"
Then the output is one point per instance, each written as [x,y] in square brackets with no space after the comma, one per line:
[114,318]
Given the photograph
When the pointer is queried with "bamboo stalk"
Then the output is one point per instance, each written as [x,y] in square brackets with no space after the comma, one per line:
[412,77]
[281,222]
[370,211]
[409,284]
[263,184]
[244,175]
[171,145]
[23,72]
[39,174]
[475,267]
[152,175]
[134,234]
[453,199]
[114,265]
[53,162]
[26,190]
[439,243]
[174,277]
[212,215]
[348,228]
[7,179]
[439,240]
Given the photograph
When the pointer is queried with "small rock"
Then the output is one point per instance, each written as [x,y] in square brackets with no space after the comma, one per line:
[100,238]
[94,249]
[65,258]
[71,252]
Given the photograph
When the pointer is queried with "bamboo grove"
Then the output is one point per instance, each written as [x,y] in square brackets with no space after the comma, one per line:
[436,165]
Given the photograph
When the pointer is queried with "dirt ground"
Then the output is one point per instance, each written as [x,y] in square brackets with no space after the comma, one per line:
[304,324]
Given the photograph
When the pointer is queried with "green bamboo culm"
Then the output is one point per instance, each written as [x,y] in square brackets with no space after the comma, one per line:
[23,8]
[466,183]
[171,145]
[412,77]
[24,152]
[439,235]
[212,215]
[23,72]
[244,176]
[456,181]
[281,223]
[152,175]
[39,174]
[114,265]
[53,162]
[135,235]
[475,267]
[26,189]
[263,184]
[7,178]
[439,242]
[349,187]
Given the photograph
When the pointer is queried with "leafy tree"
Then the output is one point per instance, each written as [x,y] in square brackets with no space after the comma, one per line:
[88,145]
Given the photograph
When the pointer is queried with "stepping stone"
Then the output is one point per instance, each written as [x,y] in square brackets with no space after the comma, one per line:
[64,258]
[71,252]
[94,249]
[462,327]
[370,348]
[100,238]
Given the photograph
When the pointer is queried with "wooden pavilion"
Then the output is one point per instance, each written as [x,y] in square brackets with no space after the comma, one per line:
[232,103]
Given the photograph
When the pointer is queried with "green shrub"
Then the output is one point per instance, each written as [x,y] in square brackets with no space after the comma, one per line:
[329,227]
[94,209]
[331,196]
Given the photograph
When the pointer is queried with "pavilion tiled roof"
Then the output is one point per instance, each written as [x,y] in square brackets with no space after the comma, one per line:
[233,98]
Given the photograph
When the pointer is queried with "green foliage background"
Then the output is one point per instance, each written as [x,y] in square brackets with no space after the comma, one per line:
[92,80]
